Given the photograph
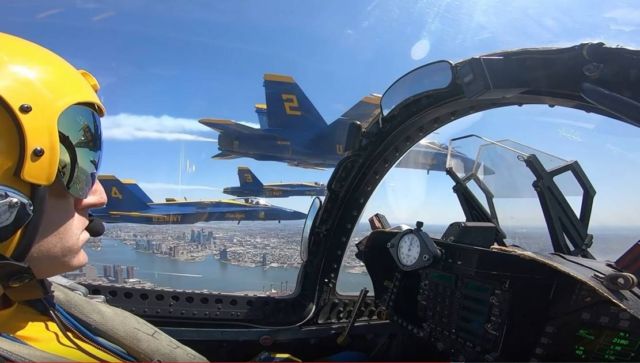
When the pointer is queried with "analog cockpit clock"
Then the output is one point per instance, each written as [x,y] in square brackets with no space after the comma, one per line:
[408,249]
[413,249]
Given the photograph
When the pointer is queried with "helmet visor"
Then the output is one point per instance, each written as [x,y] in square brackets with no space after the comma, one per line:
[80,149]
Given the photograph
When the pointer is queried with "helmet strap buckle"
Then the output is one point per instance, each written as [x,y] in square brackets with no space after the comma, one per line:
[15,211]
[19,283]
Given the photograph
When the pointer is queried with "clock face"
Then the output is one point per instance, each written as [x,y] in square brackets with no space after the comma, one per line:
[408,249]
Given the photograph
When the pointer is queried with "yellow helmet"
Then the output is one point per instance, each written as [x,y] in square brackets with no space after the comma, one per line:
[40,95]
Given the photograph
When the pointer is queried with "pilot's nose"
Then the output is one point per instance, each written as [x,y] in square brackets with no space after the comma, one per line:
[97,198]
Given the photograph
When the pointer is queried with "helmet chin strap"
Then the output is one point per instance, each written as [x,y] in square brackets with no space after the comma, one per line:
[19,283]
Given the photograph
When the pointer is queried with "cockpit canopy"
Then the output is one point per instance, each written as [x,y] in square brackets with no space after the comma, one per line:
[253,201]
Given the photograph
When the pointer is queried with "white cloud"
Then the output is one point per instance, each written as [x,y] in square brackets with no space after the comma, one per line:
[557,120]
[103,16]
[48,13]
[372,5]
[570,134]
[126,126]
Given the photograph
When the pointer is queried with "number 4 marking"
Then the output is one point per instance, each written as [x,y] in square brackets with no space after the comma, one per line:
[115,193]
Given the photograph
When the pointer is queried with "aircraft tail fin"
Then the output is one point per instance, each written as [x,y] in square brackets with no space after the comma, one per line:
[135,188]
[261,111]
[123,196]
[288,107]
[364,111]
[248,179]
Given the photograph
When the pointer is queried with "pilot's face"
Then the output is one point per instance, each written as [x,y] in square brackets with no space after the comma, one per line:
[58,246]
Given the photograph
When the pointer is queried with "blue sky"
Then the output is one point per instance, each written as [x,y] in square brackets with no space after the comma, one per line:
[165,64]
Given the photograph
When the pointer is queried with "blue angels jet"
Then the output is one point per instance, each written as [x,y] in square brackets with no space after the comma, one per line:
[128,203]
[251,186]
[292,130]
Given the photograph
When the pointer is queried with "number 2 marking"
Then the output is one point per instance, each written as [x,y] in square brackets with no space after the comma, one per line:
[291,102]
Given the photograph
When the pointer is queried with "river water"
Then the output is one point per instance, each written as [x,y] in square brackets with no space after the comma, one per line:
[210,274]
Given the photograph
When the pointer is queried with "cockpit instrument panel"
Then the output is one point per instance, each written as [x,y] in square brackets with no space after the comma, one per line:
[473,303]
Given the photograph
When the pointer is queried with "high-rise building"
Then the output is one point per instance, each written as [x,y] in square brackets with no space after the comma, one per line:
[90,272]
[118,274]
[130,272]
[224,254]
[141,245]
[107,271]
[264,259]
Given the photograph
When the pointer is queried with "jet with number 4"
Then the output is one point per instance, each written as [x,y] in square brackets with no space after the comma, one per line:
[292,130]
[128,203]
[251,186]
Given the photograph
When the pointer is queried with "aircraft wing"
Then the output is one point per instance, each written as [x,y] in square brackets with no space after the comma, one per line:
[225,156]
[305,165]
[135,214]
[222,125]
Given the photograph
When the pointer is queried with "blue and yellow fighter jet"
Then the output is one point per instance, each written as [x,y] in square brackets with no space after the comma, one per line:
[251,186]
[292,130]
[128,203]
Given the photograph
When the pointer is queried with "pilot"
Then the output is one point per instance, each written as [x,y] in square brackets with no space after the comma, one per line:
[50,150]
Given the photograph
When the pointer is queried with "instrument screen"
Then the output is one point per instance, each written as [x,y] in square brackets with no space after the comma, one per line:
[595,343]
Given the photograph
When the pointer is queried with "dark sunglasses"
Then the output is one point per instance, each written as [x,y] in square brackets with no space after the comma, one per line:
[80,149]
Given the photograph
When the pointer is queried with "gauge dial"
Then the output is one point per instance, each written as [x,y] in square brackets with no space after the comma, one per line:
[408,249]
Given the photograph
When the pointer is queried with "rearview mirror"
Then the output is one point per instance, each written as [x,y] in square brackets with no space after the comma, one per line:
[429,77]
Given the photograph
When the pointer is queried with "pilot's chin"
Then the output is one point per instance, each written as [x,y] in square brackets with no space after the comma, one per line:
[81,259]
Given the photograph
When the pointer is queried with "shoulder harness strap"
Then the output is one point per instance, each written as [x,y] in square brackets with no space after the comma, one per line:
[139,338]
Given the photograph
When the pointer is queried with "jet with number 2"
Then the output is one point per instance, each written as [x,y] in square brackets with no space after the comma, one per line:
[292,130]
[128,203]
